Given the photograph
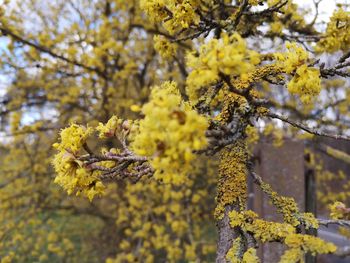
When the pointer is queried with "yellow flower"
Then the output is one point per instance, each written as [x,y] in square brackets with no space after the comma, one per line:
[174,14]
[306,83]
[155,9]
[339,210]
[255,2]
[169,133]
[70,173]
[73,138]
[337,34]
[110,128]
[295,57]
[228,55]
[164,47]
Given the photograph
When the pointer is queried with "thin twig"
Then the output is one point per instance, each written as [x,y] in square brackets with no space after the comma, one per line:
[343,252]
[46,50]
[308,129]
[326,222]
[344,57]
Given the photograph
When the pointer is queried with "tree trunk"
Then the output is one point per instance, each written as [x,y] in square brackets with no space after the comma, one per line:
[226,235]
[232,195]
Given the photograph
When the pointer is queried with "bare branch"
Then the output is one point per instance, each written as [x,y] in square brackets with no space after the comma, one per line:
[46,50]
[308,129]
[326,222]
[343,252]
[344,57]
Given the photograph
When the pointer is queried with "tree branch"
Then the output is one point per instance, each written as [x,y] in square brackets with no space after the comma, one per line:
[343,251]
[326,222]
[46,50]
[308,129]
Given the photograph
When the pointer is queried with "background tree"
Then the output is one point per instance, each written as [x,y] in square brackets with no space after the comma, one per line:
[220,71]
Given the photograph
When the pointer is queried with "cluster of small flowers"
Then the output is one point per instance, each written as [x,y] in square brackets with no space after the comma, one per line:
[164,47]
[169,133]
[228,55]
[306,82]
[71,174]
[337,34]
[175,14]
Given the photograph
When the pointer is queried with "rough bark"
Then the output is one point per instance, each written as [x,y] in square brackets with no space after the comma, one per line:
[226,235]
[232,196]
[233,170]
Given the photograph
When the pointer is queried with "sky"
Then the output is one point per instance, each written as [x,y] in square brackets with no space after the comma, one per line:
[326,7]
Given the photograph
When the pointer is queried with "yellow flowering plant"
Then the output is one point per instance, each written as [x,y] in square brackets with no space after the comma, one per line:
[146,113]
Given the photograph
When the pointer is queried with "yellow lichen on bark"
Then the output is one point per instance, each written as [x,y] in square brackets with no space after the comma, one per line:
[233,254]
[232,185]
[284,233]
[257,75]
[289,209]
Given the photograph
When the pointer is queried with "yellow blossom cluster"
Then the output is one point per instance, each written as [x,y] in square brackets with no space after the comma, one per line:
[175,14]
[71,174]
[276,27]
[325,177]
[155,9]
[164,47]
[337,35]
[46,241]
[228,55]
[293,58]
[339,211]
[169,133]
[254,2]
[54,245]
[73,138]
[333,200]
[306,83]
[111,128]
[291,10]
[155,215]
[252,135]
